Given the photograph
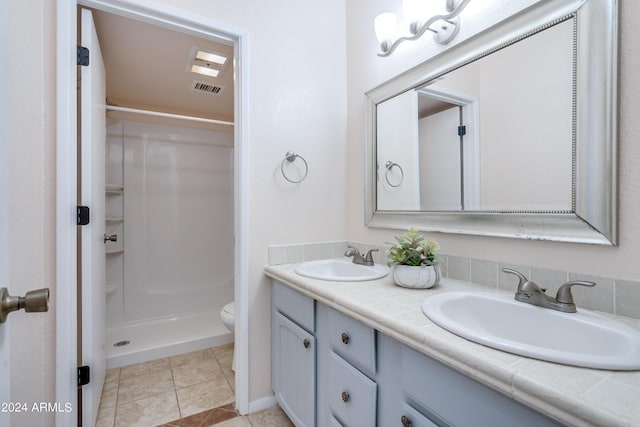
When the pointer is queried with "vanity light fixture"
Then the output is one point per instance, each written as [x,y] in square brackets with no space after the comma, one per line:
[443,24]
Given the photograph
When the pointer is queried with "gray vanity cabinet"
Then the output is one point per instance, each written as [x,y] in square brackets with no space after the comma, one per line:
[416,390]
[332,370]
[294,354]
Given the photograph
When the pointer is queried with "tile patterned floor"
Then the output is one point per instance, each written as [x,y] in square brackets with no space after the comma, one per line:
[189,390]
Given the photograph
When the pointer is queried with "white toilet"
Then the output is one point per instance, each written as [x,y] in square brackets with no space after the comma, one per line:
[228,317]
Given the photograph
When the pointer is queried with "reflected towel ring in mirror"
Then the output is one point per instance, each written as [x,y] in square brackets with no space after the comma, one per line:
[291,157]
[390,165]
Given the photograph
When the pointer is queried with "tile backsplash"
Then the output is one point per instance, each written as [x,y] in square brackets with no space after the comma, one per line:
[610,295]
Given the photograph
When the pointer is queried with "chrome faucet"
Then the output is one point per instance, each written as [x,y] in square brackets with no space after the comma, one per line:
[357,256]
[531,293]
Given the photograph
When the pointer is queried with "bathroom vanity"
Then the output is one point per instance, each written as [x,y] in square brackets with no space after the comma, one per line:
[364,354]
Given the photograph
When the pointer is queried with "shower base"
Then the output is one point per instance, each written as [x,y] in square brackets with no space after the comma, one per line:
[165,337]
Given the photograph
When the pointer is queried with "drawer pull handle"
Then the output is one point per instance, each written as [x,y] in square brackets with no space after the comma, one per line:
[345,397]
[345,338]
[306,343]
[406,422]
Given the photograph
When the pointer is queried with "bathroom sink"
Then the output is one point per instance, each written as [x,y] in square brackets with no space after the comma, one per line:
[584,338]
[341,270]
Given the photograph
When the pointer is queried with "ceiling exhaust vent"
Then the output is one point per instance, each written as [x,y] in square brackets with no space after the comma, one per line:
[206,88]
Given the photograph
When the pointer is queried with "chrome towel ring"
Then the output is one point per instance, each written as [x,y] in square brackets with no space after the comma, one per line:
[291,157]
[390,165]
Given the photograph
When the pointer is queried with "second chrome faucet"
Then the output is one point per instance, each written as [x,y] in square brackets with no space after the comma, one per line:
[531,293]
[358,258]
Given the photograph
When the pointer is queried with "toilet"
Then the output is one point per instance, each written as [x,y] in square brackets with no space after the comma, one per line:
[228,317]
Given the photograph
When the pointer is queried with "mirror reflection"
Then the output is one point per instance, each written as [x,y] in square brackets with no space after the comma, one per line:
[496,135]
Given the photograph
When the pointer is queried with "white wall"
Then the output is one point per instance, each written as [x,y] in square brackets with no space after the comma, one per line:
[397,141]
[297,100]
[366,70]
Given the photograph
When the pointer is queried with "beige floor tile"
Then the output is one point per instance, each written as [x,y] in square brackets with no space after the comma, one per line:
[109,395]
[203,396]
[222,349]
[108,400]
[225,358]
[149,411]
[112,375]
[272,417]
[144,368]
[106,422]
[141,386]
[193,357]
[197,372]
[236,422]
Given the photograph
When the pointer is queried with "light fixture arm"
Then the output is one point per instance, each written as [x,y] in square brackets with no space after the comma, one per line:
[454,10]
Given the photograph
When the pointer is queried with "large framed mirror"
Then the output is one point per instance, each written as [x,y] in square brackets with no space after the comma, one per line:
[511,133]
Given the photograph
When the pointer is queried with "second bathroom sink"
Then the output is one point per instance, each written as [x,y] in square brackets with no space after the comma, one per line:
[341,270]
[585,338]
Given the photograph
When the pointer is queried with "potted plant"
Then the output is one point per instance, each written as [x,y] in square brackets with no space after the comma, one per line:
[414,261]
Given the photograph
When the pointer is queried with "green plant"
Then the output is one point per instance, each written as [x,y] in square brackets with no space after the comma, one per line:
[412,249]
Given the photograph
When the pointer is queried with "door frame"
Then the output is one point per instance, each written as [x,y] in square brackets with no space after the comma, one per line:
[66,181]
[5,366]
[471,146]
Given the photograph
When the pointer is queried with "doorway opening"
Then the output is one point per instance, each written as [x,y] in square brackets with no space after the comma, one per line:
[234,144]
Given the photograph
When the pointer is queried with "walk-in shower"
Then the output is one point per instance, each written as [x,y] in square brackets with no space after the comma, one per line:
[169,198]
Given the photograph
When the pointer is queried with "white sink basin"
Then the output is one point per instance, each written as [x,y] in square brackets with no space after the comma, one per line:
[584,338]
[341,270]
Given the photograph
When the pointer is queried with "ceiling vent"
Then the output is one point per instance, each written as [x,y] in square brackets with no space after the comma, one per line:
[206,88]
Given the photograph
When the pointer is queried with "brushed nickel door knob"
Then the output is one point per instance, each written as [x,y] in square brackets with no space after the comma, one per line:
[32,302]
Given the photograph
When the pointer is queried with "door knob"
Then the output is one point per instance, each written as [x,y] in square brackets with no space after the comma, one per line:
[110,238]
[32,302]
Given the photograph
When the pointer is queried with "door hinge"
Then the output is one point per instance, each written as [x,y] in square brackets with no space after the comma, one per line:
[462,130]
[83,215]
[83,56]
[84,375]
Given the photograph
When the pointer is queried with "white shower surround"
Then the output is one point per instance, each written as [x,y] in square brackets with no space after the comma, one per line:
[178,242]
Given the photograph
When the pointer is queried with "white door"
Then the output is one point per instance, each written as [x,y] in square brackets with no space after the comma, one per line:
[92,176]
[4,199]
[440,161]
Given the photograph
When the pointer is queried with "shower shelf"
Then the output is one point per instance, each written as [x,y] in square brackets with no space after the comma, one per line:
[113,251]
[114,189]
[114,219]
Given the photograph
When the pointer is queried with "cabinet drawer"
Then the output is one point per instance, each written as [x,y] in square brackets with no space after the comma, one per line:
[353,340]
[294,305]
[352,396]
[412,418]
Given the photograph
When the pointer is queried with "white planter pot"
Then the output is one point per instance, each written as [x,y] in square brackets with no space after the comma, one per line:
[422,277]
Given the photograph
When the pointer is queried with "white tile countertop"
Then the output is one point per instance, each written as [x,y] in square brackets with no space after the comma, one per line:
[574,396]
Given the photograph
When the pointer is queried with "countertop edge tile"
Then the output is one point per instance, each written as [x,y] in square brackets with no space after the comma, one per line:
[515,376]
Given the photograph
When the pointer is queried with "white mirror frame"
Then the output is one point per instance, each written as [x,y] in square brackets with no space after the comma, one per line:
[594,218]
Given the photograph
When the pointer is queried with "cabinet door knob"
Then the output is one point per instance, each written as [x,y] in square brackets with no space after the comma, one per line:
[306,343]
[345,397]
[406,422]
[345,338]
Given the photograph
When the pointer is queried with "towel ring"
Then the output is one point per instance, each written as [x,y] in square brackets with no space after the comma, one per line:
[390,165]
[291,157]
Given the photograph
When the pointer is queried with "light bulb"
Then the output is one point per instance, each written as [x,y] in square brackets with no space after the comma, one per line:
[386,27]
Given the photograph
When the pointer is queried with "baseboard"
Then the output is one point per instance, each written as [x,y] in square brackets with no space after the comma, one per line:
[263,403]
